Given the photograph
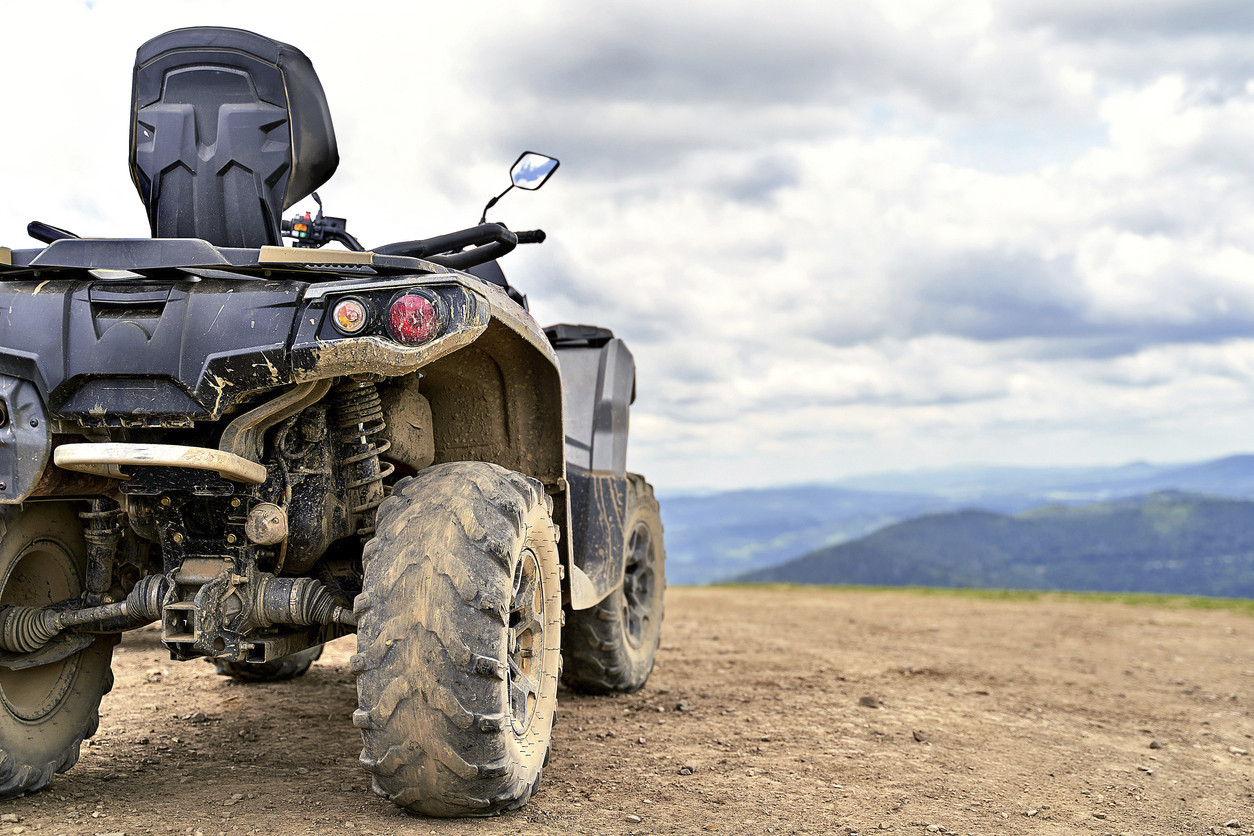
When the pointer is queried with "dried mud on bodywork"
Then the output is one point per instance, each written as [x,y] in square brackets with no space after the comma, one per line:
[1009,717]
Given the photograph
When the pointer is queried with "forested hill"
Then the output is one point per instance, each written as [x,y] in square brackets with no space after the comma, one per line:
[1168,542]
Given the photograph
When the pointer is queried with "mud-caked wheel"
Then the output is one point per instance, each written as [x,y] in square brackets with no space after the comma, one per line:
[276,670]
[458,641]
[610,648]
[46,711]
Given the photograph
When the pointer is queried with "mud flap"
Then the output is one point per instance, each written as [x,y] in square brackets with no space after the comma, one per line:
[598,505]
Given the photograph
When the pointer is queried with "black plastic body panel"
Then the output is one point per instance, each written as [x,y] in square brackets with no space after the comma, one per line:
[25,438]
[147,349]
[598,386]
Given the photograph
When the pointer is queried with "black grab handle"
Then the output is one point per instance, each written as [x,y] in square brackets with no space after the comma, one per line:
[47,233]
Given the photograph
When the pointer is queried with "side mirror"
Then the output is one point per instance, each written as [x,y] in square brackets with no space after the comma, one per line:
[531,170]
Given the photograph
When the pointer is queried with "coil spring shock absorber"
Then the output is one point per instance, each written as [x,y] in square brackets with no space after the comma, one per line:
[359,419]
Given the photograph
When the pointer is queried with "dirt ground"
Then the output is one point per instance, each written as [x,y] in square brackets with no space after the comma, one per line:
[795,711]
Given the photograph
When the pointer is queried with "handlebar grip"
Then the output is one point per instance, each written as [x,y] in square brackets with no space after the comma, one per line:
[531,236]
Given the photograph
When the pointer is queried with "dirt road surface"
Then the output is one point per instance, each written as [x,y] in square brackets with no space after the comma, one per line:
[770,711]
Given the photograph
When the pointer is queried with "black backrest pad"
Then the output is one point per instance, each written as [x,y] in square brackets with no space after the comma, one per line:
[228,130]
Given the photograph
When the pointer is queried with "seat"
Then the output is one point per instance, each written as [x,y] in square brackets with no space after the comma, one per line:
[229,129]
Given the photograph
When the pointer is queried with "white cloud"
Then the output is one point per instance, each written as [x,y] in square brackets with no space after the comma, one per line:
[838,237]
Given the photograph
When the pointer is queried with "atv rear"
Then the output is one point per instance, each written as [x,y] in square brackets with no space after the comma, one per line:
[264,448]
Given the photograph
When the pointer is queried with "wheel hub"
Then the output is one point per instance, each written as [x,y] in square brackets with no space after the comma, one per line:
[525,642]
[39,576]
[639,587]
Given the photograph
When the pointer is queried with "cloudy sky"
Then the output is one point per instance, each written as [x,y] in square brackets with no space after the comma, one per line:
[839,237]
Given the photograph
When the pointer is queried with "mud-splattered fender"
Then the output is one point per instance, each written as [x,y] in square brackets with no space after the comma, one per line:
[491,377]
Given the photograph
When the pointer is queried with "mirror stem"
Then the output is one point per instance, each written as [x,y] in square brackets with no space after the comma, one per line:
[483,219]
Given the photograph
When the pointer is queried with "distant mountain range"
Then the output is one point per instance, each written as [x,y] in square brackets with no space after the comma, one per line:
[1232,476]
[712,538]
[717,536]
[1166,542]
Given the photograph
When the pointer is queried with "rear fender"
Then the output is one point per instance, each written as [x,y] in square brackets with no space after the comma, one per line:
[498,399]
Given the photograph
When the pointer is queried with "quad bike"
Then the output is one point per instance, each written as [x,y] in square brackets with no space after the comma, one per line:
[263,448]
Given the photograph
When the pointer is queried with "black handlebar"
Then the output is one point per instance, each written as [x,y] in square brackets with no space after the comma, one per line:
[490,241]
[459,250]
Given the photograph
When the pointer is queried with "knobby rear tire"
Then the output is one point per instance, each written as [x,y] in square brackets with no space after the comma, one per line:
[458,640]
[276,670]
[47,711]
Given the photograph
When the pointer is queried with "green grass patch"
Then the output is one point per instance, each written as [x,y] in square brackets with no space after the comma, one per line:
[1243,606]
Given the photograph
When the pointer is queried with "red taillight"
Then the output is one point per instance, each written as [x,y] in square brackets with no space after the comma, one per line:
[412,319]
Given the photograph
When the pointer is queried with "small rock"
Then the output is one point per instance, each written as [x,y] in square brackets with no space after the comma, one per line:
[1099,815]
[13,818]
[634,819]
[869,702]
[300,770]
[1237,750]
[766,738]
[683,705]
[1147,770]
[1031,813]
[142,741]
[1154,744]
[920,737]
[346,787]
[640,740]
[1233,824]
[198,717]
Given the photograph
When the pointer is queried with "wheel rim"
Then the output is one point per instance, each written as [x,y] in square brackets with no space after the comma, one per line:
[526,642]
[40,575]
[639,587]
